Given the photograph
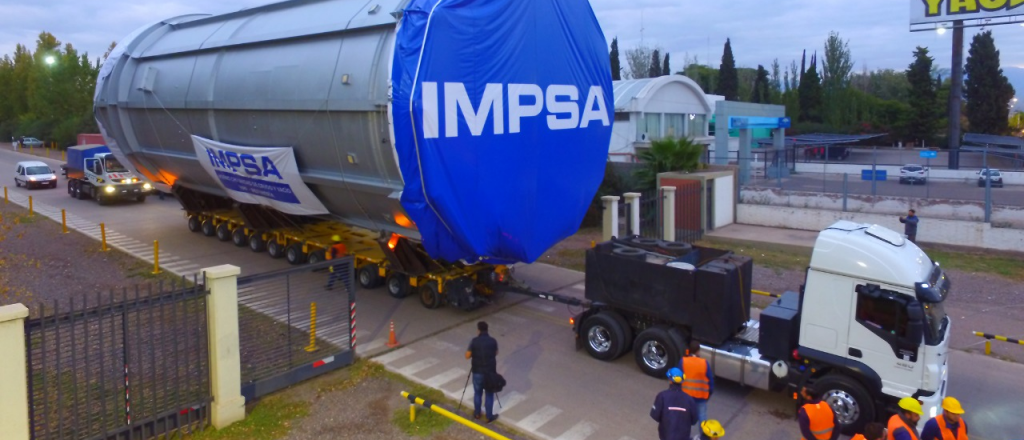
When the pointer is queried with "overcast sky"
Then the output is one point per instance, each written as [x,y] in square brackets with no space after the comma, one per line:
[760,30]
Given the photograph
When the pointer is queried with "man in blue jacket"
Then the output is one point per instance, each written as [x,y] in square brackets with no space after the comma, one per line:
[674,410]
[910,225]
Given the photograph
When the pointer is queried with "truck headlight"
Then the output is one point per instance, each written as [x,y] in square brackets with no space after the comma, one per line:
[147,186]
[109,188]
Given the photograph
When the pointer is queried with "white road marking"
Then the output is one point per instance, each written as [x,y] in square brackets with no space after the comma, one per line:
[512,399]
[418,366]
[371,346]
[394,355]
[581,287]
[535,304]
[443,378]
[581,431]
[539,418]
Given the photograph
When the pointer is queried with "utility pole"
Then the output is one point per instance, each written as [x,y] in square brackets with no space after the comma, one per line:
[956,93]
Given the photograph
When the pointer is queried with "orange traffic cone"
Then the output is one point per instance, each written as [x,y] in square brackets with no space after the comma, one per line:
[392,340]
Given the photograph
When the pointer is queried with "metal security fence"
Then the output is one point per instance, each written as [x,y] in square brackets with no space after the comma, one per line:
[689,200]
[119,365]
[291,327]
[650,215]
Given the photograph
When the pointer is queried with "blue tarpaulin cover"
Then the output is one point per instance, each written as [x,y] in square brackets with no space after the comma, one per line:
[502,112]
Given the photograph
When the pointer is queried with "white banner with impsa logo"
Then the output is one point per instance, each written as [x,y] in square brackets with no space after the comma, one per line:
[265,176]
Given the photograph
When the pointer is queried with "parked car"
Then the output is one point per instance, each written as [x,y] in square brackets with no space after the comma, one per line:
[912,173]
[33,173]
[31,142]
[993,174]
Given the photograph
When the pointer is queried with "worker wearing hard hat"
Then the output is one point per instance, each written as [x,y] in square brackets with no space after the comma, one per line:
[699,382]
[902,425]
[337,250]
[872,431]
[816,418]
[674,410]
[949,425]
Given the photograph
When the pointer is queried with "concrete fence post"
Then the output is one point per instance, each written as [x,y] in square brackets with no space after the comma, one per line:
[225,366]
[14,383]
[633,200]
[610,219]
[668,209]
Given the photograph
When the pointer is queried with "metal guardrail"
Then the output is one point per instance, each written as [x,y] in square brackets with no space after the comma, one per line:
[989,337]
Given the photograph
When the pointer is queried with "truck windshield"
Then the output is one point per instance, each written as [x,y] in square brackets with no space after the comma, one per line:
[113,166]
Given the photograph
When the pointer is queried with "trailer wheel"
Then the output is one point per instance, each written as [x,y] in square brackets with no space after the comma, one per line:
[316,257]
[368,276]
[71,189]
[429,296]
[238,237]
[194,224]
[274,248]
[398,285]
[655,352]
[604,337]
[293,253]
[141,199]
[208,228]
[850,402]
[256,242]
[223,231]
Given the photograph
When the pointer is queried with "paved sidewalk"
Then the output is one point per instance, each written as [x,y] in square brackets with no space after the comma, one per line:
[795,237]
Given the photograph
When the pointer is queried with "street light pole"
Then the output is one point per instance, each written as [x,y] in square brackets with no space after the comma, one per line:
[956,92]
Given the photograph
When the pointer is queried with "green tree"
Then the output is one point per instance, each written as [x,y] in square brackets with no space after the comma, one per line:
[986,89]
[776,82]
[668,154]
[613,56]
[639,61]
[810,93]
[706,77]
[655,69]
[838,63]
[924,107]
[665,68]
[728,79]
[761,93]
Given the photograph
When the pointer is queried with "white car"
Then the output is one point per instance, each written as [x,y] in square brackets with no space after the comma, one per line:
[34,173]
[912,173]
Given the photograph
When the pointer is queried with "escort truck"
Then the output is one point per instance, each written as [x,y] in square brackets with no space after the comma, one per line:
[92,171]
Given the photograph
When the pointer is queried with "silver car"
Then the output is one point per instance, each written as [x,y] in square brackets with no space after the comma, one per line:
[34,173]
[31,142]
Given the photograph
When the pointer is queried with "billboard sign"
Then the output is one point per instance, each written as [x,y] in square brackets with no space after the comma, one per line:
[940,11]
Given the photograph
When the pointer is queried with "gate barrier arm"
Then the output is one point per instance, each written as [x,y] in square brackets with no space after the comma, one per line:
[989,337]
[413,401]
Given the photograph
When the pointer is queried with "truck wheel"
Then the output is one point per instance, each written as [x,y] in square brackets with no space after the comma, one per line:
[316,257]
[275,249]
[368,276]
[208,228]
[256,243]
[141,199]
[71,190]
[603,337]
[223,231]
[398,285]
[655,352]
[294,255]
[850,402]
[429,296]
[194,224]
[79,193]
[239,238]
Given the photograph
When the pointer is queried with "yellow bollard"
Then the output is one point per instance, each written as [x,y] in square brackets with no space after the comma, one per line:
[412,412]
[988,346]
[5,195]
[156,257]
[30,206]
[103,237]
[64,220]
[593,243]
[312,328]
[62,153]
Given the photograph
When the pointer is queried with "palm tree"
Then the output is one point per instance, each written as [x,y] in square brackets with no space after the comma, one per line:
[668,154]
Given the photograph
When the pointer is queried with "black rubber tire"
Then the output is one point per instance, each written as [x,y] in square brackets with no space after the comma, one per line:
[627,332]
[603,336]
[317,257]
[256,242]
[836,388]
[208,228]
[71,190]
[641,241]
[79,194]
[194,225]
[275,249]
[223,231]
[368,276]
[100,199]
[239,238]
[141,199]
[398,285]
[429,296]
[17,184]
[675,246]
[294,255]
[655,352]
[631,253]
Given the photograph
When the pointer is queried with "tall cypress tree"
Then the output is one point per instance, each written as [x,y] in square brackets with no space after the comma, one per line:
[986,89]
[924,108]
[811,93]
[728,78]
[762,87]
[614,56]
[665,69]
[655,70]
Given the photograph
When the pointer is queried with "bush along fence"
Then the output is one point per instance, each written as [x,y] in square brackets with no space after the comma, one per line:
[167,359]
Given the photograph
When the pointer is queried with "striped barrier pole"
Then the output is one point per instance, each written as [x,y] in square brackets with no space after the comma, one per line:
[989,337]
[763,293]
[435,408]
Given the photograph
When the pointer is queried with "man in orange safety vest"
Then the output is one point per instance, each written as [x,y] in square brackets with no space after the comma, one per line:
[817,420]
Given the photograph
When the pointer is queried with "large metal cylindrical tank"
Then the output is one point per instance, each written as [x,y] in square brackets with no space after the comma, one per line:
[395,110]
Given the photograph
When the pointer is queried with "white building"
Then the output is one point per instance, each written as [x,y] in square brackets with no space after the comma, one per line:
[654,108]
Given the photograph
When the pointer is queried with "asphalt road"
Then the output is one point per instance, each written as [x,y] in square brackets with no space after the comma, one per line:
[554,391]
[1010,195]
[893,156]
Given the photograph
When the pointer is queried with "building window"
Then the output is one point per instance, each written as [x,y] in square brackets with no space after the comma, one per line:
[621,117]
[648,128]
[696,125]
[674,126]
[882,313]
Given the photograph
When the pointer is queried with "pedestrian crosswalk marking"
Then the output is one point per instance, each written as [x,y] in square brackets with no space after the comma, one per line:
[512,399]
[539,418]
[394,355]
[581,431]
[418,366]
[447,376]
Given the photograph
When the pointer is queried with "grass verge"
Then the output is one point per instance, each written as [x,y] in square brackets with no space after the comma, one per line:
[427,422]
[270,418]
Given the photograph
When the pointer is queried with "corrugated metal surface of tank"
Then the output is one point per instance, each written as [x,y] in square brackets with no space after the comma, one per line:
[308,74]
